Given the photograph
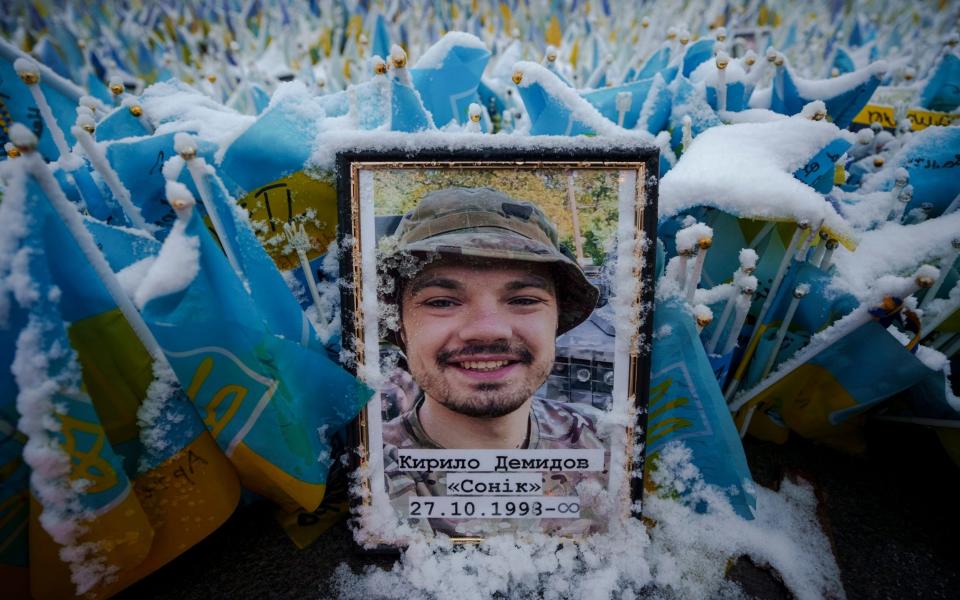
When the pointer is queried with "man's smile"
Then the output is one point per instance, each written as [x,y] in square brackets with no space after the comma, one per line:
[483,365]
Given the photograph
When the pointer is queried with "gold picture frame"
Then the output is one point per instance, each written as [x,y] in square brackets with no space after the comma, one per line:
[535,176]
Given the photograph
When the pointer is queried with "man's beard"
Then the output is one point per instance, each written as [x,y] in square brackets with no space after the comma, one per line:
[485,400]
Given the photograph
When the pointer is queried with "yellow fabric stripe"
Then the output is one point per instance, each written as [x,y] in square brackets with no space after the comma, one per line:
[266,479]
[677,402]
[116,370]
[184,499]
[667,426]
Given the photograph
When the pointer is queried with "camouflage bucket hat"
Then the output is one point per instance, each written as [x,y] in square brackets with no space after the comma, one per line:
[484,223]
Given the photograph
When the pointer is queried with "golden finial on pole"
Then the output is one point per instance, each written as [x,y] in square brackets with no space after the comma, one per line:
[28,70]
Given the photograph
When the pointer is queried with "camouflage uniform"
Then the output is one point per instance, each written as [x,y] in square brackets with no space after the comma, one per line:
[553,425]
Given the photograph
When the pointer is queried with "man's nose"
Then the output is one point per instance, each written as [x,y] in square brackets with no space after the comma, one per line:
[486,322]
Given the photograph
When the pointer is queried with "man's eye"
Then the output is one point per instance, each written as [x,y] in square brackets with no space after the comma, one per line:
[526,301]
[440,303]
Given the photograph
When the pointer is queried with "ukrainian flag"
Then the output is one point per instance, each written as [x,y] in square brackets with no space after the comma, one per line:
[143,474]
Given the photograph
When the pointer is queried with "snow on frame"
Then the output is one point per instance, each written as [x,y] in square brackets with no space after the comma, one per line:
[331,142]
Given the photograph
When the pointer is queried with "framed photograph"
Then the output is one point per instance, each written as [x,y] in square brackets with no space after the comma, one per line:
[498,299]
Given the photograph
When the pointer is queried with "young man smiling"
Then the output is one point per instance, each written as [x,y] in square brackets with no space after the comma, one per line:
[483,292]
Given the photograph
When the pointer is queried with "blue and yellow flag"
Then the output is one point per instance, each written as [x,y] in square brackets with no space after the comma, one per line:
[265,169]
[686,405]
[818,173]
[269,291]
[818,309]
[821,397]
[137,442]
[269,401]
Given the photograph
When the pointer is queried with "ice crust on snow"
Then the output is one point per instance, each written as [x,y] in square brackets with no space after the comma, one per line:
[747,170]
[175,106]
[894,248]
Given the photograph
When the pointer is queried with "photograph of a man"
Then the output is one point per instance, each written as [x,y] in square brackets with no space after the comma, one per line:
[478,326]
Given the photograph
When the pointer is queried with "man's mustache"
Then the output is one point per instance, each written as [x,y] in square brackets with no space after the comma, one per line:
[519,351]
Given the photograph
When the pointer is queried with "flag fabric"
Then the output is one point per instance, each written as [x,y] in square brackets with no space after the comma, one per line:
[942,90]
[686,405]
[14,473]
[844,96]
[139,162]
[447,76]
[821,397]
[381,37]
[930,158]
[553,107]
[80,188]
[933,398]
[407,112]
[698,53]
[120,123]
[644,97]
[270,402]
[84,380]
[842,62]
[658,62]
[818,309]
[277,144]
[269,291]
[17,104]
[265,170]
[690,99]
[818,173]
[738,96]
